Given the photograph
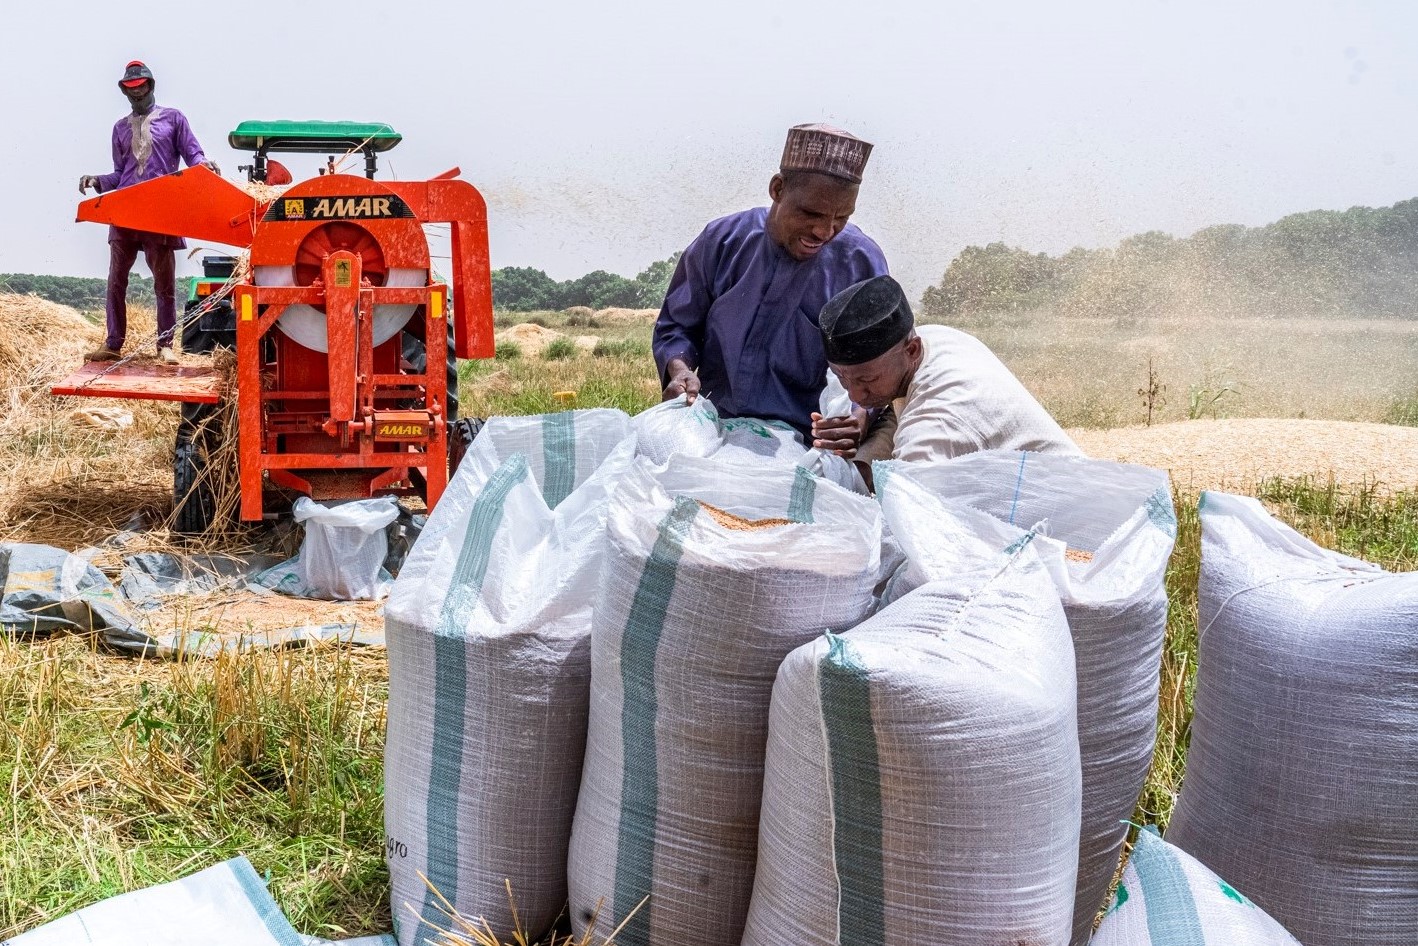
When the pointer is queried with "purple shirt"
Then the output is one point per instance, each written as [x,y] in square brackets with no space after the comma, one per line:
[173,141]
[744,312]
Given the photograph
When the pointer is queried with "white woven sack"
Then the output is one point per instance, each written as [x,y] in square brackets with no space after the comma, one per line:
[1169,898]
[693,618]
[922,781]
[678,428]
[1116,606]
[488,632]
[1300,779]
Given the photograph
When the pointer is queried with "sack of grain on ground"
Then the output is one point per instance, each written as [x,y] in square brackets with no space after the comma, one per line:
[1168,898]
[711,578]
[488,632]
[922,779]
[678,428]
[1107,531]
[1304,749]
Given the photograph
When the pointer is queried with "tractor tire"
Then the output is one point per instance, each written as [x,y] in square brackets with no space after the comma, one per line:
[461,434]
[191,498]
[192,503]
[216,328]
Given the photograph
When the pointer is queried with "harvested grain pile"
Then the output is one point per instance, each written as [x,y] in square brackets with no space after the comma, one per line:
[529,337]
[1234,454]
[626,316]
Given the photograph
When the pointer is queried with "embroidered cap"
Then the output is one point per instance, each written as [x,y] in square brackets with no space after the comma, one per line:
[825,150]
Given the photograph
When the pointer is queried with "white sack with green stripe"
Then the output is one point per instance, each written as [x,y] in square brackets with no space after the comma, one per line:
[488,632]
[1169,898]
[695,613]
[1116,602]
[1301,785]
[922,781]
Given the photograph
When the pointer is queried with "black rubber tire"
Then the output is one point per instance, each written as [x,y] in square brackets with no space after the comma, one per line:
[461,434]
[192,501]
[199,341]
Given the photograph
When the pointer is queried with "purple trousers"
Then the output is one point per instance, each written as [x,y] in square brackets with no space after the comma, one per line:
[123,247]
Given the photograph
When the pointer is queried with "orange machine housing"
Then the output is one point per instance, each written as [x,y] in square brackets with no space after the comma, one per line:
[354,420]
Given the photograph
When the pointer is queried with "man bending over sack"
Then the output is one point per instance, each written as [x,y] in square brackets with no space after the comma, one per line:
[942,393]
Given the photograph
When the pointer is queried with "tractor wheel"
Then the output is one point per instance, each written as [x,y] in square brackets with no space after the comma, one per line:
[460,438]
[191,495]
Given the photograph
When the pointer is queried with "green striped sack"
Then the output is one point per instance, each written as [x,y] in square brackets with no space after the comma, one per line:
[922,781]
[488,630]
[1168,898]
[695,613]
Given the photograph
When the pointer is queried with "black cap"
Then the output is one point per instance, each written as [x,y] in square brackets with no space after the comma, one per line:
[865,320]
[135,74]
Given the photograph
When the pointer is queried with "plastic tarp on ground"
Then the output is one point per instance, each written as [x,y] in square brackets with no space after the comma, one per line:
[1168,898]
[1120,516]
[712,575]
[225,905]
[1300,780]
[923,781]
[48,590]
[488,629]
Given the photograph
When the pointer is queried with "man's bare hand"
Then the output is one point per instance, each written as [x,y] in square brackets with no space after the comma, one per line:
[842,434]
[212,166]
[683,380]
[87,181]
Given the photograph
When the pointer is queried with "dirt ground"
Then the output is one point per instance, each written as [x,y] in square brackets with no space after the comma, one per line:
[1234,454]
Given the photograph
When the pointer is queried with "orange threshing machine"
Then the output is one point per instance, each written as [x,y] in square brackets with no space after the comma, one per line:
[338,291]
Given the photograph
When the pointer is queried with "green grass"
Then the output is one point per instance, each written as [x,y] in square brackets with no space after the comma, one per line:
[122,774]
[559,349]
[1403,411]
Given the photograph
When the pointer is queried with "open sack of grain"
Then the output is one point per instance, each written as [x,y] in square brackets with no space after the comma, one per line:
[1299,786]
[678,428]
[1106,532]
[923,781]
[488,631]
[711,577]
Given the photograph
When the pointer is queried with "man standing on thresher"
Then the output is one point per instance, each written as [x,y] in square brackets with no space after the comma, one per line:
[940,391]
[739,322]
[147,143]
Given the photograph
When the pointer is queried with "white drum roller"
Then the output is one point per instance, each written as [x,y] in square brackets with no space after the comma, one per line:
[305,324]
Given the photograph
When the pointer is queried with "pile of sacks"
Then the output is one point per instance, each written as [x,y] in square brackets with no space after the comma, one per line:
[681,673]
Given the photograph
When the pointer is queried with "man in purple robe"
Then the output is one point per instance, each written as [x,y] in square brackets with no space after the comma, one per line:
[147,143]
[739,322]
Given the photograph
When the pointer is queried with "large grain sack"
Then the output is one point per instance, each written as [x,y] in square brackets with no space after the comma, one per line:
[922,780]
[678,428]
[712,576]
[1168,898]
[1300,778]
[488,632]
[1106,533]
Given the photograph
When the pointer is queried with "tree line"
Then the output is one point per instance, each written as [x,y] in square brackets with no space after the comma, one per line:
[524,289]
[82,292]
[1362,261]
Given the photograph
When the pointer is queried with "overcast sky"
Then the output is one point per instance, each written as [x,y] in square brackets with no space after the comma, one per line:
[605,135]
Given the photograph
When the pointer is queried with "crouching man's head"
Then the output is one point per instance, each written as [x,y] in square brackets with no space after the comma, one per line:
[869,335]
